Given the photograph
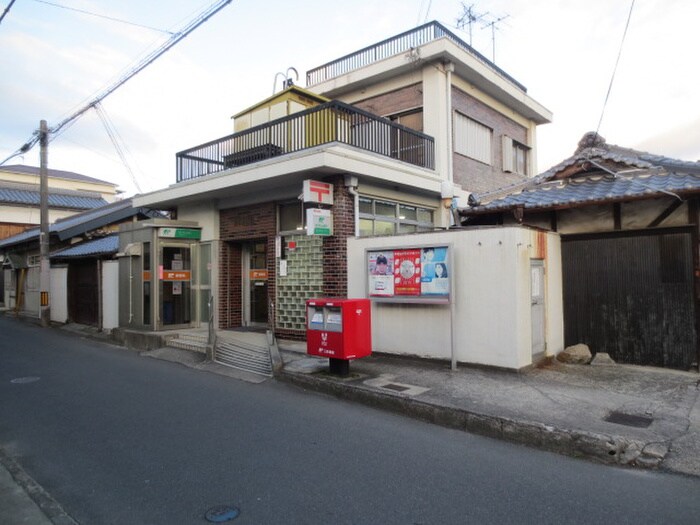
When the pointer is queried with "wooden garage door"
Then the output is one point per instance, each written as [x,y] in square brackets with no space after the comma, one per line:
[83,292]
[630,294]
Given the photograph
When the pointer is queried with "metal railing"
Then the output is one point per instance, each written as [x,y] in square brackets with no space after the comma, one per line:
[397,45]
[323,124]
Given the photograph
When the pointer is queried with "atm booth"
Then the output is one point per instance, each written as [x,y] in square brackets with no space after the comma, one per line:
[168,271]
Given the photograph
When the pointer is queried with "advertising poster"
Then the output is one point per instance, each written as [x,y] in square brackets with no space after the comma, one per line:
[435,279]
[407,272]
[381,275]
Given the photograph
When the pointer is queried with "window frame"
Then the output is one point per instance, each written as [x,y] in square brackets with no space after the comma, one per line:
[397,220]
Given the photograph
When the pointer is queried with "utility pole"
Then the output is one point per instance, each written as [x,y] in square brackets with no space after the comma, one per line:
[45,275]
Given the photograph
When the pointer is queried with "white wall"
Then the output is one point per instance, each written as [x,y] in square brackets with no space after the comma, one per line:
[206,214]
[491,276]
[110,294]
[59,295]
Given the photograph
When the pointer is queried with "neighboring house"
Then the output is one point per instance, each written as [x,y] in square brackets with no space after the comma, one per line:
[69,193]
[265,214]
[629,227]
[80,247]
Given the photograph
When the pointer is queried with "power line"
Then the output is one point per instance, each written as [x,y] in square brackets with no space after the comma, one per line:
[121,21]
[116,139]
[612,78]
[7,9]
[140,66]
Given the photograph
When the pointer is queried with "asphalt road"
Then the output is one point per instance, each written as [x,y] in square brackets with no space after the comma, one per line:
[121,439]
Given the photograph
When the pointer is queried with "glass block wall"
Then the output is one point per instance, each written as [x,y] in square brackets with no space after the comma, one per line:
[304,280]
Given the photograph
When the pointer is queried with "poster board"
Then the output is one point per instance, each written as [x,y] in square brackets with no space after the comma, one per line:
[412,274]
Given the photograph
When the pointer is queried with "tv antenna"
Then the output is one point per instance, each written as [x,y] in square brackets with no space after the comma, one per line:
[492,25]
[469,17]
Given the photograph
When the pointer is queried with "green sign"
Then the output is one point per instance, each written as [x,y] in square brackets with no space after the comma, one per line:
[180,233]
[319,222]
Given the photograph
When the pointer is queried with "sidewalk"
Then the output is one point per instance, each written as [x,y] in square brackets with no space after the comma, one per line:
[619,414]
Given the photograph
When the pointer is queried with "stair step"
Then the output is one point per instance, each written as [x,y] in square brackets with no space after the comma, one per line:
[193,346]
[244,358]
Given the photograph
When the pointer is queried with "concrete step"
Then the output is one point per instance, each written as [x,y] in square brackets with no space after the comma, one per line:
[189,344]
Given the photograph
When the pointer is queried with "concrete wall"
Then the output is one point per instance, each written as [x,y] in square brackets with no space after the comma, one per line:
[110,294]
[59,295]
[491,302]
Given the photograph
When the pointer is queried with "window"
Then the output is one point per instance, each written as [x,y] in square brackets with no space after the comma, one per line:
[404,145]
[383,217]
[515,156]
[33,260]
[290,217]
[472,139]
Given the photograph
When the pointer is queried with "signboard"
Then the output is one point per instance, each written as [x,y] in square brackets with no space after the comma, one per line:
[258,275]
[318,192]
[176,275]
[180,233]
[319,222]
[407,272]
[410,273]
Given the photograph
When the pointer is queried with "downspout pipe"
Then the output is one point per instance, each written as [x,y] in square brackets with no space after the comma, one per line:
[351,184]
[449,69]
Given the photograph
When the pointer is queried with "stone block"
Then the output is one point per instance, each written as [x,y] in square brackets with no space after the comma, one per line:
[578,354]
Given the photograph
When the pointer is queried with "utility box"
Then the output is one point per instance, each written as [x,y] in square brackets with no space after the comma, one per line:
[339,329]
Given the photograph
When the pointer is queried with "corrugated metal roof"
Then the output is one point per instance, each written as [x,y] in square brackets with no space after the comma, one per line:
[56,200]
[84,222]
[598,188]
[103,246]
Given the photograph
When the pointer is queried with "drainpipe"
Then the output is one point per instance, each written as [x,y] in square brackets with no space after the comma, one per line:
[449,69]
[351,185]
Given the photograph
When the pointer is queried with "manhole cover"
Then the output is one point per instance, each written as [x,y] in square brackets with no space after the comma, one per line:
[221,514]
[21,380]
[397,388]
[630,420]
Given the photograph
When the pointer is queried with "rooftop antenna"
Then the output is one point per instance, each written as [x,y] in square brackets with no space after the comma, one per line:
[492,24]
[469,17]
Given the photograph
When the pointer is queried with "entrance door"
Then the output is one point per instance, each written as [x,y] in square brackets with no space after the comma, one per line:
[537,305]
[83,292]
[175,286]
[255,284]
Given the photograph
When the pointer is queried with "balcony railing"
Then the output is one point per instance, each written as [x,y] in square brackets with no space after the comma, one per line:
[324,124]
[397,45]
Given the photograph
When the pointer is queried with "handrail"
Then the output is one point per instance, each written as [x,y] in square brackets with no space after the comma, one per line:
[326,123]
[396,45]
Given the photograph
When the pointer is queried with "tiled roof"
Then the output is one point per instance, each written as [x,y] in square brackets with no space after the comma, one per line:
[102,246]
[597,172]
[56,200]
[59,174]
[596,188]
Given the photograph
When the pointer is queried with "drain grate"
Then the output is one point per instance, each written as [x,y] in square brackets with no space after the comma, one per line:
[396,388]
[630,420]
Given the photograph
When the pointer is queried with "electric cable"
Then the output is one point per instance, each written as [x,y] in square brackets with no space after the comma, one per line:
[113,19]
[7,9]
[115,138]
[56,130]
[612,78]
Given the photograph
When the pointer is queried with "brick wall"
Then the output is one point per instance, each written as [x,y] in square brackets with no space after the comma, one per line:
[258,223]
[335,273]
[472,174]
[393,102]
[239,225]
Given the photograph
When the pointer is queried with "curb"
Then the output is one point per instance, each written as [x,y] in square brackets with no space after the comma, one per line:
[48,506]
[603,448]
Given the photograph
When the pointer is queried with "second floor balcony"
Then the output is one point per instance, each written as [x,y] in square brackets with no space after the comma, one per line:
[332,122]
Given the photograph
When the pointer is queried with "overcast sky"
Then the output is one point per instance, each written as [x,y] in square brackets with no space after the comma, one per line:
[53,60]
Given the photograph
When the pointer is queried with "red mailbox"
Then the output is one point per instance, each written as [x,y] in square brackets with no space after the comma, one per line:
[339,329]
